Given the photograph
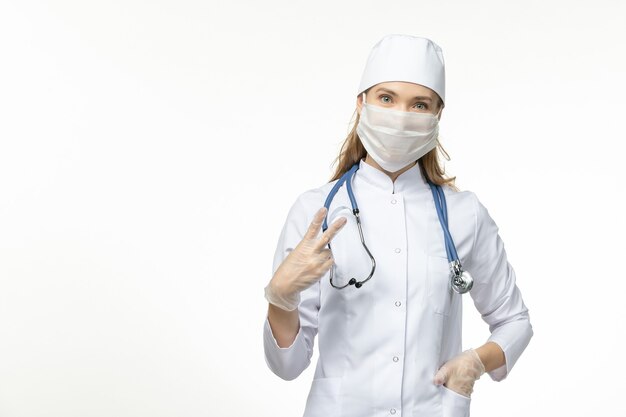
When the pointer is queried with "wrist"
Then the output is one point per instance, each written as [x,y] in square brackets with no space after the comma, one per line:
[479,361]
[287,302]
[491,355]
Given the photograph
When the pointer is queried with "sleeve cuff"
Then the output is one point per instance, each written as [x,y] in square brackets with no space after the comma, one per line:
[512,338]
[500,373]
[269,336]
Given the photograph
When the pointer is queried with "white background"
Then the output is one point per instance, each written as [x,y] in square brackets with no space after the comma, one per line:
[150,151]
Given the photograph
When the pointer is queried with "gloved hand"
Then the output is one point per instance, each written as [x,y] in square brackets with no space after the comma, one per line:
[304,266]
[460,372]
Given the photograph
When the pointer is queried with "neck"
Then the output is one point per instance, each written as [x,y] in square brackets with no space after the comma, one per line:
[392,175]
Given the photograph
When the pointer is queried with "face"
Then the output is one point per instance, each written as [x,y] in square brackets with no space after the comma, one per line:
[403,96]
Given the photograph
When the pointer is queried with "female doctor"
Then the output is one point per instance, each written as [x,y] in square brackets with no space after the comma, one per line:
[375,284]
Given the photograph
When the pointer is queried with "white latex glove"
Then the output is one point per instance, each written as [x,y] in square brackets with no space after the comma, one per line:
[460,372]
[304,265]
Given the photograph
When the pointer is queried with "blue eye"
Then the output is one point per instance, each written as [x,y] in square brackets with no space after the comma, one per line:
[422,104]
[383,97]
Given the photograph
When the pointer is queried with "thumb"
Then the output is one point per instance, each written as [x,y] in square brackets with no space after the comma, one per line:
[441,376]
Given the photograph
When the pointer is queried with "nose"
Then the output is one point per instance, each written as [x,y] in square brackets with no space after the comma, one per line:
[402,107]
[409,108]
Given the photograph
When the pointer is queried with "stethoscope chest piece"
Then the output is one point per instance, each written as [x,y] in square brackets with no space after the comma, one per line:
[461,280]
[462,283]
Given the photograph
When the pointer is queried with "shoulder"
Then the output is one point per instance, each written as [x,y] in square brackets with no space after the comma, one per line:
[468,205]
[316,195]
[466,196]
[484,224]
[308,202]
[465,200]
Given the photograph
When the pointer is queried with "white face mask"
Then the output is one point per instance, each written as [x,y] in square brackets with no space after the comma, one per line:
[394,138]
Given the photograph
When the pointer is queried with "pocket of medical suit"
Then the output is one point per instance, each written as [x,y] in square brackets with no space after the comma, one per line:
[440,292]
[453,403]
[323,399]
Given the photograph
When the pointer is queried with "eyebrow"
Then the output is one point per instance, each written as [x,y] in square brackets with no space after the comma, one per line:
[396,95]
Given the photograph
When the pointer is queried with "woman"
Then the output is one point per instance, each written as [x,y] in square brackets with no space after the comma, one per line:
[391,344]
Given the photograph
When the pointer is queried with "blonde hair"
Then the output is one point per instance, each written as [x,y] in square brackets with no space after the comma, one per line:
[352,151]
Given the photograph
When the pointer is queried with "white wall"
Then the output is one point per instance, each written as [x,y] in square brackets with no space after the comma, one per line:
[150,151]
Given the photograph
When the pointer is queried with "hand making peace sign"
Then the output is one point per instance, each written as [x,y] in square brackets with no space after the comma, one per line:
[307,262]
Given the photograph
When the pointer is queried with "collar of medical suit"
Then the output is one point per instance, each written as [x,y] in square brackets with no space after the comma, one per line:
[410,180]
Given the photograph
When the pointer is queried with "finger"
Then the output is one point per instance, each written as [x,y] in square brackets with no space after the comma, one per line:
[441,376]
[323,257]
[316,223]
[327,264]
[330,233]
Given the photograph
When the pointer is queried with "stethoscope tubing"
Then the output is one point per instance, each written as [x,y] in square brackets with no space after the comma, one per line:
[462,281]
[442,211]
[334,190]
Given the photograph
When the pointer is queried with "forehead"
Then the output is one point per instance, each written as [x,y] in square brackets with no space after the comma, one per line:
[403,88]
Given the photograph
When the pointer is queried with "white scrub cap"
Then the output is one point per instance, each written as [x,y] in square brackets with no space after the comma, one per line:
[405,58]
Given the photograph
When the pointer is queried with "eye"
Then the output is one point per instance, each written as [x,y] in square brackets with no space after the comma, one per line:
[383,97]
[425,107]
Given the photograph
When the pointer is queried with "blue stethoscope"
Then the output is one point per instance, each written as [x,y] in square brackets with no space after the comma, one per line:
[461,280]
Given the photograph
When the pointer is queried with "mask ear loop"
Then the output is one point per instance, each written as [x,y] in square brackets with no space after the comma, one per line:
[439,112]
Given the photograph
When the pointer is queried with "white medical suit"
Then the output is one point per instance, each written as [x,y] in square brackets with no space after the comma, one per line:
[380,345]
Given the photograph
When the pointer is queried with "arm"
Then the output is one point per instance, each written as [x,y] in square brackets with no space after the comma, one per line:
[491,355]
[284,324]
[497,297]
[288,336]
[288,351]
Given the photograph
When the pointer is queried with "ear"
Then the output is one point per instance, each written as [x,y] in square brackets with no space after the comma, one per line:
[359,103]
